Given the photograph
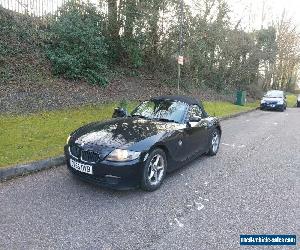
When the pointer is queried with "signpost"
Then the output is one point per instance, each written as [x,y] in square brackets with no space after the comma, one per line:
[180,60]
[180,57]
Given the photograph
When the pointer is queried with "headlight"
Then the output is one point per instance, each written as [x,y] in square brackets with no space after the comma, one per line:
[280,102]
[122,155]
[68,139]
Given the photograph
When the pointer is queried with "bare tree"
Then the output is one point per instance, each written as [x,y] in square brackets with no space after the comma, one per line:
[288,56]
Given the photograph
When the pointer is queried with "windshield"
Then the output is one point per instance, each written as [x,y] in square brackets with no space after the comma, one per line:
[165,110]
[274,94]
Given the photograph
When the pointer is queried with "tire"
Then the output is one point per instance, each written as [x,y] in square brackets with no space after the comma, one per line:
[214,142]
[154,170]
[282,109]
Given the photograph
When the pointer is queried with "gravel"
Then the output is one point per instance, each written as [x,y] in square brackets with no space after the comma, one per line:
[251,186]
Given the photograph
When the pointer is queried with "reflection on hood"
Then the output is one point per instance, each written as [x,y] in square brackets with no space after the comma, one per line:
[272,99]
[121,132]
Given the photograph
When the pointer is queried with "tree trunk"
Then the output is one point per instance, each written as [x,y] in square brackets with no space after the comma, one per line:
[113,23]
[130,13]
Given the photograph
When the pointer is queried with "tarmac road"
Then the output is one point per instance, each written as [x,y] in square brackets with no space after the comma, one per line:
[250,187]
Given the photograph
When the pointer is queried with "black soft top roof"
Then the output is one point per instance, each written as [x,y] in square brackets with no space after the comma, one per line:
[186,99]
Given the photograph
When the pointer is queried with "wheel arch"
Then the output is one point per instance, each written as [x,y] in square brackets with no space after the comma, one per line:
[166,151]
[215,126]
[218,127]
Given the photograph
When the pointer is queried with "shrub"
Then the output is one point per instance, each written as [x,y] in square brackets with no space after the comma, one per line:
[77,48]
[133,53]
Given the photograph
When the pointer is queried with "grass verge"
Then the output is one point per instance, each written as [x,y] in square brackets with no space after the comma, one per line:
[223,109]
[291,100]
[26,138]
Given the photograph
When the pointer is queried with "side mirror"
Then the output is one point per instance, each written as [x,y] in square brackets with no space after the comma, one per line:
[195,119]
[191,122]
[119,112]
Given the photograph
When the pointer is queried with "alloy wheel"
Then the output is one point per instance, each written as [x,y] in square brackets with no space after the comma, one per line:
[156,169]
[215,141]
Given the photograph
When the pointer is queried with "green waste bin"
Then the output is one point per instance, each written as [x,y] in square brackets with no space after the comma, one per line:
[240,98]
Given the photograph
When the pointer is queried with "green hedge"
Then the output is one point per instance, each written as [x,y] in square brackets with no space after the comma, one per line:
[77,48]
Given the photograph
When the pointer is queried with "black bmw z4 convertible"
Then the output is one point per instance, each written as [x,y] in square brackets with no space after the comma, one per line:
[138,149]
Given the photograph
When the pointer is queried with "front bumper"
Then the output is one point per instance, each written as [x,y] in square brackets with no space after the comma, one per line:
[116,175]
[271,106]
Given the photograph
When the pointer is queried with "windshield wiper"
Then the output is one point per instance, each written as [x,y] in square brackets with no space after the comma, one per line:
[139,116]
[165,120]
[158,119]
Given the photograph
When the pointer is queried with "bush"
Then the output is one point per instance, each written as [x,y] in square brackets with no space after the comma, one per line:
[133,53]
[77,48]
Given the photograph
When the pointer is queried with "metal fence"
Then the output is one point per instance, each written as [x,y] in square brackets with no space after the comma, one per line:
[36,8]
[33,7]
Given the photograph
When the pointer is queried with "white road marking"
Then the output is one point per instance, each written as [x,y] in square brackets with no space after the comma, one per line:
[178,222]
[233,145]
[268,138]
[199,205]
[229,145]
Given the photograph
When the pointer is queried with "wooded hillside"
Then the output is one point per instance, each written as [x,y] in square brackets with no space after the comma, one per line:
[87,42]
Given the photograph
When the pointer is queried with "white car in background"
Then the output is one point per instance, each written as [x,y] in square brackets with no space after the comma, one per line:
[274,100]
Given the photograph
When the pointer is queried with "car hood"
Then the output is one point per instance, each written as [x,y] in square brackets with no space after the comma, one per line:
[275,99]
[120,133]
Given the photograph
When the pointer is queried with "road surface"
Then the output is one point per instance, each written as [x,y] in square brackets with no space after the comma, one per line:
[250,187]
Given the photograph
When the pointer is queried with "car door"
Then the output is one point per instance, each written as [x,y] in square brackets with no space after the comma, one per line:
[196,133]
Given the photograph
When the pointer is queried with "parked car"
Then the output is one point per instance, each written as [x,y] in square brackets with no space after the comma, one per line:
[298,101]
[273,100]
[160,135]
